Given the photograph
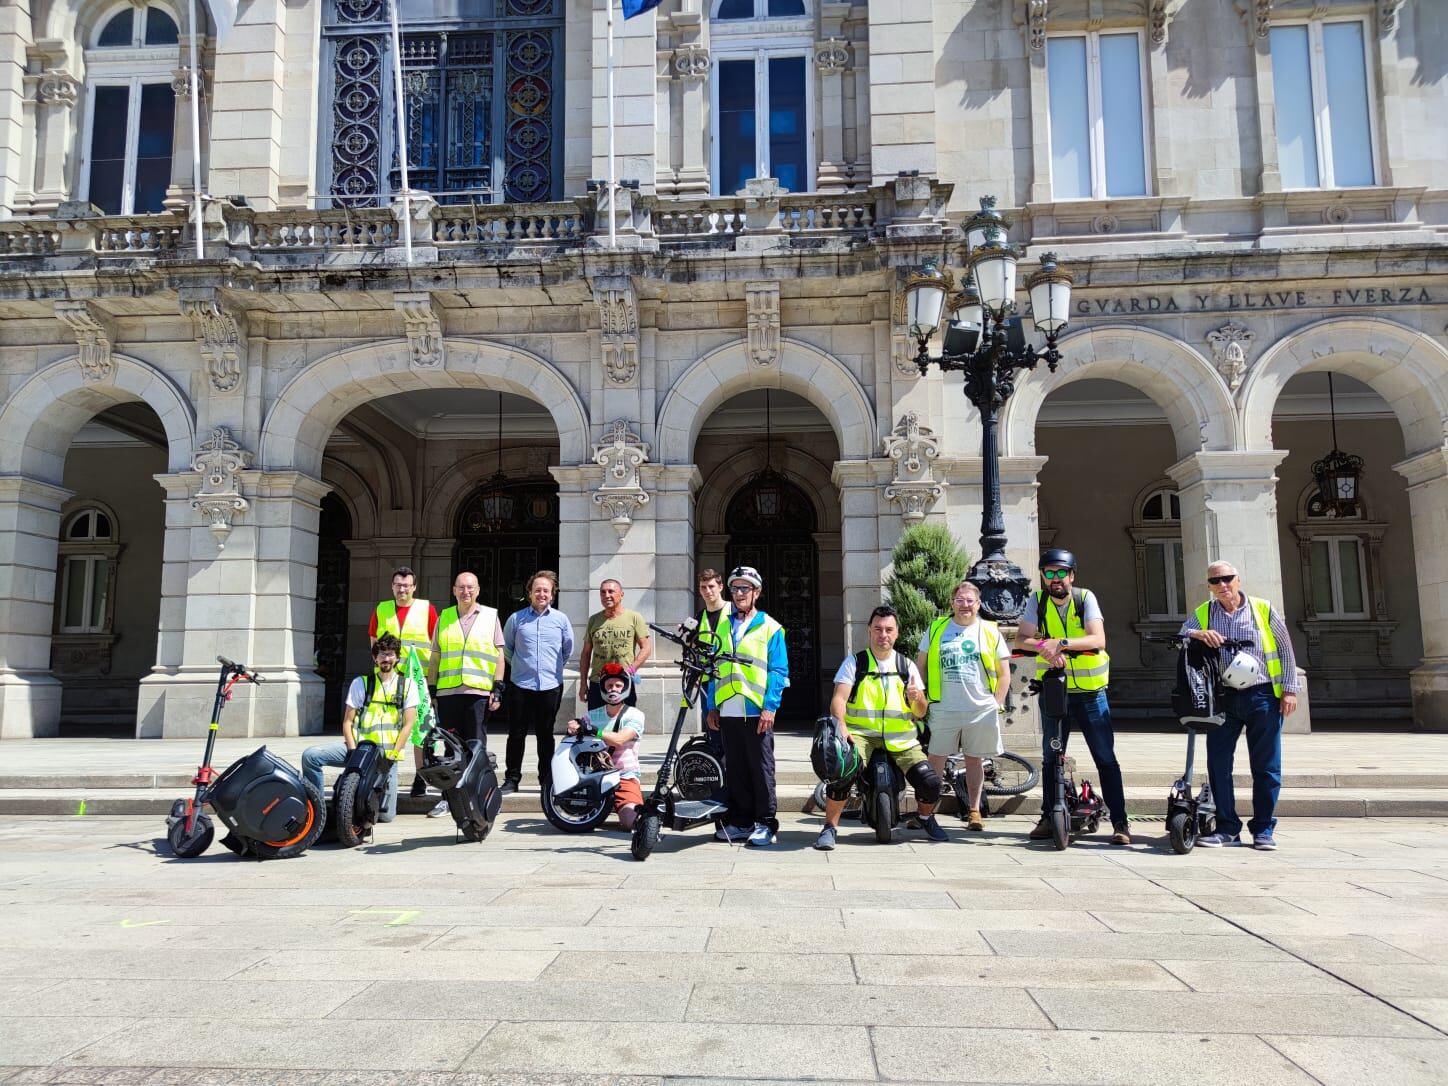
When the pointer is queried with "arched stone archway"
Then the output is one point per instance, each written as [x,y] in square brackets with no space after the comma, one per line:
[802,369]
[1405,367]
[317,398]
[1193,395]
[41,417]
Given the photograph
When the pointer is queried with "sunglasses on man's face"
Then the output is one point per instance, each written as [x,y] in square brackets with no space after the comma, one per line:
[1228,579]
[1055,574]
[738,588]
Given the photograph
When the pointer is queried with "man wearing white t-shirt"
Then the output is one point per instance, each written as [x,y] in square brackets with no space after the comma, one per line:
[381,707]
[967,666]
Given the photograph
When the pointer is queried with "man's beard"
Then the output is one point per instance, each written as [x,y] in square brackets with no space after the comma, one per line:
[1059,588]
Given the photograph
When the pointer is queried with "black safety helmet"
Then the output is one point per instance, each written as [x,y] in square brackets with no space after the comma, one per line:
[1058,556]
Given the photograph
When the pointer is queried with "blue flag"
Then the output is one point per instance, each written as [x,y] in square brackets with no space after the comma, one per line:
[637,7]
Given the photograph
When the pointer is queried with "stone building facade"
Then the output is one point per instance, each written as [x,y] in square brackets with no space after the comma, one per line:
[228,453]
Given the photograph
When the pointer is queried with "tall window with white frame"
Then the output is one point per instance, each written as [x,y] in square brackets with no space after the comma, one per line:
[88,553]
[130,114]
[1096,105]
[1157,533]
[762,94]
[1322,105]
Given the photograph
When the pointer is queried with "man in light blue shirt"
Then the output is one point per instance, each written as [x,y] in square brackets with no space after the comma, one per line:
[538,641]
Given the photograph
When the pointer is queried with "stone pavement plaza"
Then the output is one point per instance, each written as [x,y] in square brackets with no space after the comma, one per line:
[417,960]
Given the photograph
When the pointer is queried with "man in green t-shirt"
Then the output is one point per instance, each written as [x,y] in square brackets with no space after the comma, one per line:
[615,635]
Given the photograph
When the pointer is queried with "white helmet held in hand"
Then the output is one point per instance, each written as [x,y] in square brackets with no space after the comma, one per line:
[1243,672]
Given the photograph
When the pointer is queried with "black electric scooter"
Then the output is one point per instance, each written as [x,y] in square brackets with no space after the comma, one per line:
[669,804]
[467,776]
[1188,816]
[359,794]
[269,810]
[1075,811]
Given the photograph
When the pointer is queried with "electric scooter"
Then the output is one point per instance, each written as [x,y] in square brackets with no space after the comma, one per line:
[1075,811]
[1188,816]
[268,809]
[467,776]
[360,792]
[669,804]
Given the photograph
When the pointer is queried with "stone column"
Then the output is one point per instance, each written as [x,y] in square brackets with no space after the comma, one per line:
[29,530]
[15,110]
[1427,476]
[692,65]
[178,193]
[1229,512]
[635,95]
[56,93]
[247,109]
[674,487]
[861,510]
[577,592]
[832,60]
[902,91]
[252,599]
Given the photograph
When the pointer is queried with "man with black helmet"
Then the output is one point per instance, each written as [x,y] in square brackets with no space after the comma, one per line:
[1058,621]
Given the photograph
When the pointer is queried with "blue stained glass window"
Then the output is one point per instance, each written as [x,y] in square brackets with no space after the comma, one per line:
[108,148]
[736,124]
[788,131]
[153,147]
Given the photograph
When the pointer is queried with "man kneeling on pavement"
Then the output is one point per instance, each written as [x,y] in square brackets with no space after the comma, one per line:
[879,696]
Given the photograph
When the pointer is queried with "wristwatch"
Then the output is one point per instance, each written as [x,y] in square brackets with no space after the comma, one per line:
[1061,644]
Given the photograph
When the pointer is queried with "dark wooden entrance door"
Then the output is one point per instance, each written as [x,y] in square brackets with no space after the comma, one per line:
[772,525]
[329,623]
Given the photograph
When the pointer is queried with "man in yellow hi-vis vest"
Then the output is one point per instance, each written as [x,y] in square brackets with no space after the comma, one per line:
[467,666]
[742,704]
[413,622]
[1256,707]
[1060,622]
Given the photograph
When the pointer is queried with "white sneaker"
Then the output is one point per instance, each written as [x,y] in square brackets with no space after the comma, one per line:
[760,836]
[438,810]
[1218,840]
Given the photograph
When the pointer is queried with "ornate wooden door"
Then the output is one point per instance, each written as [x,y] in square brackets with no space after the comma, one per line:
[329,624]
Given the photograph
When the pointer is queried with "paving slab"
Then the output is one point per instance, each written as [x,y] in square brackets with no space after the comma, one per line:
[428,965]
[861,1004]
[241,997]
[30,1041]
[828,939]
[695,968]
[517,1001]
[1096,974]
[1067,1057]
[643,940]
[1267,978]
[1092,944]
[1417,981]
[1346,1061]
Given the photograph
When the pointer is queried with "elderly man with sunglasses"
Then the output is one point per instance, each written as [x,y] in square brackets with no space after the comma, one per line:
[1232,615]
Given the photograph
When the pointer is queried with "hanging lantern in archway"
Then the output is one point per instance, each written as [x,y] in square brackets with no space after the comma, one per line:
[496,502]
[1338,474]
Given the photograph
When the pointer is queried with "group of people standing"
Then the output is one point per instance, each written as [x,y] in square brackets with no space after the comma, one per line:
[960,678]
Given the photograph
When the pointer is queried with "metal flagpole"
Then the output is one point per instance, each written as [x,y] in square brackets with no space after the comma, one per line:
[612,169]
[195,81]
[401,131]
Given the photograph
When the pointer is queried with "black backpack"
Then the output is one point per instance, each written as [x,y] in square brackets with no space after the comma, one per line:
[1078,597]
[862,671]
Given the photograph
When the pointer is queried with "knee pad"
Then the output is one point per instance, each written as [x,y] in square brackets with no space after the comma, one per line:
[926,782]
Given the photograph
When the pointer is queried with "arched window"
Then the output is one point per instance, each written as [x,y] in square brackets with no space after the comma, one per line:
[762,94]
[1336,563]
[130,115]
[1344,600]
[88,556]
[1157,535]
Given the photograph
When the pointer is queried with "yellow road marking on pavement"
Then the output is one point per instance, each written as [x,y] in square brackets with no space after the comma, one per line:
[129,923]
[400,916]
[81,809]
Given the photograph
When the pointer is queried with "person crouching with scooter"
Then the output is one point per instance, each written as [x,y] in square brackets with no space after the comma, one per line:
[381,707]
[879,696]
[620,727]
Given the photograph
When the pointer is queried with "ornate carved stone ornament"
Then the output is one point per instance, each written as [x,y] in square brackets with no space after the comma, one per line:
[94,334]
[422,321]
[218,460]
[1258,14]
[1037,12]
[692,62]
[220,332]
[914,487]
[1388,15]
[832,56]
[618,322]
[58,86]
[761,303]
[181,83]
[621,454]
[1156,21]
[1230,344]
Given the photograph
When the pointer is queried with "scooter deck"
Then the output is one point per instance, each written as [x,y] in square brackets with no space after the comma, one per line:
[698,810]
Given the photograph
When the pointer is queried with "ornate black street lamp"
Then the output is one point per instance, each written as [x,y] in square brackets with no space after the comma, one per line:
[988,344]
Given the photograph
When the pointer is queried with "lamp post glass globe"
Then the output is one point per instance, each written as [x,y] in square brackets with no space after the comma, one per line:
[993,265]
[924,301]
[979,226]
[1050,291]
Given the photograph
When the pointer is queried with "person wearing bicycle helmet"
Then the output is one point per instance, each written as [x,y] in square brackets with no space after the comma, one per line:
[1059,623]
[1260,689]
[619,725]
[741,703]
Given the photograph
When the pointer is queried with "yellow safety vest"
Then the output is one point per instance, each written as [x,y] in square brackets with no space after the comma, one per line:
[1084,674]
[710,635]
[879,709]
[412,633]
[750,678]
[1262,615]
[991,648]
[472,662]
[381,718]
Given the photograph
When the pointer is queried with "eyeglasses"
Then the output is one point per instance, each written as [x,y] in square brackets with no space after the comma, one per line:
[1055,574]
[738,588]
[1228,579]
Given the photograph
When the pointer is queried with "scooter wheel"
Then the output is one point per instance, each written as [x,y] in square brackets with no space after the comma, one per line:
[568,821]
[884,816]
[349,833]
[1180,829]
[645,838]
[698,773]
[185,845]
[816,799]
[1060,830]
[305,839]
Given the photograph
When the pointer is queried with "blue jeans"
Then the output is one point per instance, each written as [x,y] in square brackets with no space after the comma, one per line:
[335,754]
[1259,713]
[1090,714]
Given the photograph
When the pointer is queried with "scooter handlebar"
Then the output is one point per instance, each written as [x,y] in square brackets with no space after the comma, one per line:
[1179,641]
[239,670]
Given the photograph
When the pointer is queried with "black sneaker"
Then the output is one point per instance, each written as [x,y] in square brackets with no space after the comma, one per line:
[509,785]
[419,787]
